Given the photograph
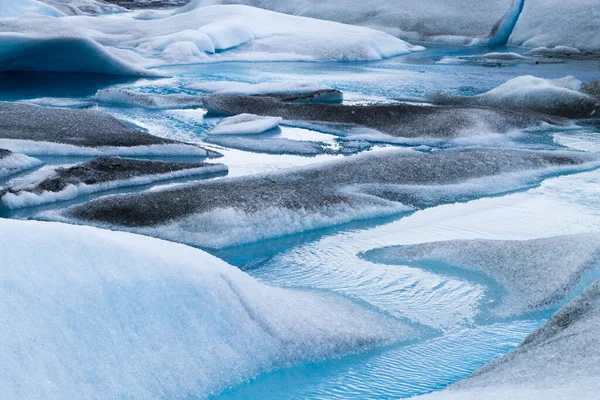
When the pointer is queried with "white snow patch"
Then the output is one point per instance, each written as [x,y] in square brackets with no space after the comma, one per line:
[14,163]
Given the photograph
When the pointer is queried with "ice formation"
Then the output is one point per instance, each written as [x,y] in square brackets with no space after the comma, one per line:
[82,7]
[556,362]
[88,313]
[297,88]
[98,175]
[127,98]
[272,145]
[11,163]
[245,124]
[12,8]
[32,129]
[551,96]
[536,274]
[372,184]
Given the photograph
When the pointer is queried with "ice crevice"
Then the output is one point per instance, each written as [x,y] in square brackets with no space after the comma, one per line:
[502,31]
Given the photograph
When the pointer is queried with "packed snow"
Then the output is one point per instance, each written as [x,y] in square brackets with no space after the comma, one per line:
[98,314]
[558,361]
[245,124]
[11,163]
[535,274]
[551,96]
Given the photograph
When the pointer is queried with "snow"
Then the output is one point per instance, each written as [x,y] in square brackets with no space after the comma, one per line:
[558,361]
[535,274]
[552,96]
[368,185]
[245,124]
[98,314]
[127,98]
[11,163]
[550,23]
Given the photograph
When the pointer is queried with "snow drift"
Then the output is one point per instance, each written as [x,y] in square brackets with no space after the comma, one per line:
[88,313]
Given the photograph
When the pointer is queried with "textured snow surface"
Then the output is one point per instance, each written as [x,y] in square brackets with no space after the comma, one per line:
[364,186]
[245,124]
[11,163]
[95,176]
[536,274]
[559,361]
[552,96]
[88,313]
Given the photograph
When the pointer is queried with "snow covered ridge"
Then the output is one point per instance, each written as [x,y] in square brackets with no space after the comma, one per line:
[368,185]
[98,175]
[11,163]
[123,45]
[559,361]
[97,314]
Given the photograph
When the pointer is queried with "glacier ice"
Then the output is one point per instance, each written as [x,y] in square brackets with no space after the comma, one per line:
[82,7]
[88,313]
[11,163]
[275,145]
[98,175]
[558,361]
[128,98]
[245,124]
[38,130]
[17,8]
[368,185]
[551,96]
[536,274]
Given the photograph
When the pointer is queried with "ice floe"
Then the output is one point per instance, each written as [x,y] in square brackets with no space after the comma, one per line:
[535,274]
[245,124]
[369,185]
[11,163]
[88,313]
[98,175]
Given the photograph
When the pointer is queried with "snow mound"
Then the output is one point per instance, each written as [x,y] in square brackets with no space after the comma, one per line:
[11,163]
[558,361]
[367,185]
[127,98]
[535,274]
[98,314]
[245,124]
[96,176]
[551,96]
[549,23]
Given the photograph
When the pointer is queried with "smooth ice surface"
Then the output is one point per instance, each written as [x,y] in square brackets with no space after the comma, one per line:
[11,163]
[558,361]
[552,96]
[370,185]
[98,175]
[245,124]
[98,314]
[536,274]
[127,98]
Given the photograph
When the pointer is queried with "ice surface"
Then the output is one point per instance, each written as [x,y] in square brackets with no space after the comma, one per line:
[16,8]
[230,87]
[551,96]
[271,145]
[536,274]
[558,361]
[11,163]
[369,185]
[552,23]
[88,313]
[39,130]
[98,175]
[127,98]
[398,120]
[81,7]
[245,124]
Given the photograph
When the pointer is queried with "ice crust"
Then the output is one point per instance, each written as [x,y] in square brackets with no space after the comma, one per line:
[98,175]
[369,185]
[11,163]
[88,313]
[559,361]
[536,274]
[32,129]
[551,96]
[245,124]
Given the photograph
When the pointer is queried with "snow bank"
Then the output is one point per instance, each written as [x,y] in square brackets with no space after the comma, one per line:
[11,163]
[127,98]
[96,176]
[368,185]
[97,314]
[558,361]
[552,23]
[536,274]
[551,96]
[245,124]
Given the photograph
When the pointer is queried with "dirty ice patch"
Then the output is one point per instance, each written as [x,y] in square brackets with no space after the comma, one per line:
[103,314]
[128,98]
[245,124]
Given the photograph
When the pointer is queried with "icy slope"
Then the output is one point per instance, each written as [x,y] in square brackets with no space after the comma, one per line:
[559,361]
[88,313]
[11,163]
